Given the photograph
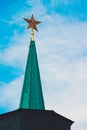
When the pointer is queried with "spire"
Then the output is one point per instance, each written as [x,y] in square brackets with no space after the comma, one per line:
[32,96]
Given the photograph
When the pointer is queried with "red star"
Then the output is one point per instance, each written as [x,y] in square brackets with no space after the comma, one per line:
[32,23]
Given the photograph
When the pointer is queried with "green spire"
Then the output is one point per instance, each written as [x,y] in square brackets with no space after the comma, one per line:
[32,97]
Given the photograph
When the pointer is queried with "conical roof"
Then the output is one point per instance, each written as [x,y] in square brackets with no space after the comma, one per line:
[32,96]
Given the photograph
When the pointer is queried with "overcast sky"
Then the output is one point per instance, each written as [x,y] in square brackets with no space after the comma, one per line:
[62,55]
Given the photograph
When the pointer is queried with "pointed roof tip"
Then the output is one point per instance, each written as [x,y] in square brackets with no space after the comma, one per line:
[32,41]
[32,15]
[32,88]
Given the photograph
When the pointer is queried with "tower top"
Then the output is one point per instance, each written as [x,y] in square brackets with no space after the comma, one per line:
[32,24]
[32,95]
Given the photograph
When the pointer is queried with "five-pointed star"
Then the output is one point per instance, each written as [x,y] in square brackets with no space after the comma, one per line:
[32,23]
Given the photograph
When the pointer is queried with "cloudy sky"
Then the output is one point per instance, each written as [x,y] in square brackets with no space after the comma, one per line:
[62,54]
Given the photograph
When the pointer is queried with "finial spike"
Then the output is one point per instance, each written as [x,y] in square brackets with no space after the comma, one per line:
[32,35]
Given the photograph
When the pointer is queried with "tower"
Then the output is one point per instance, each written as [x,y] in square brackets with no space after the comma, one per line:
[32,97]
[31,114]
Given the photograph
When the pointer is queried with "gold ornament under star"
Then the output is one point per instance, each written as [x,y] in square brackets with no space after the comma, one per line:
[32,24]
